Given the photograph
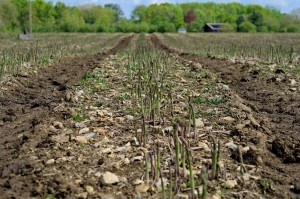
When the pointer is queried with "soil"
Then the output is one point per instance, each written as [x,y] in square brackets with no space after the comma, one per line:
[266,108]
[28,102]
[275,104]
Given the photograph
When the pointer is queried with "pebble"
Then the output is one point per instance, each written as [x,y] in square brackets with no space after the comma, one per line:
[52,129]
[142,188]
[230,184]
[81,139]
[89,135]
[137,182]
[51,161]
[98,174]
[79,93]
[199,123]
[232,146]
[129,117]
[293,82]
[58,125]
[204,146]
[84,130]
[80,125]
[23,74]
[63,138]
[89,189]
[109,178]
[225,87]
[82,195]
[228,119]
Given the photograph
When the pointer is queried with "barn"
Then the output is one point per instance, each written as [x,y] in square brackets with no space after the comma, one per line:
[213,27]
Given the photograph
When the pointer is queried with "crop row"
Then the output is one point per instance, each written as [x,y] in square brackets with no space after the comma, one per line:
[17,55]
[282,49]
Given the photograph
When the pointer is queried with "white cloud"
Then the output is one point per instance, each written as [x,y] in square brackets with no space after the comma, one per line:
[161,1]
[137,2]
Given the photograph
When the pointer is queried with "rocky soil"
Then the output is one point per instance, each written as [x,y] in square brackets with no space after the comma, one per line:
[69,131]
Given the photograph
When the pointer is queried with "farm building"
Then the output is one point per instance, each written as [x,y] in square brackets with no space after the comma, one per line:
[213,27]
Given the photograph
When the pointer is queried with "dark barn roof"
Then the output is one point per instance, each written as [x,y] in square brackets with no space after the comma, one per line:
[213,27]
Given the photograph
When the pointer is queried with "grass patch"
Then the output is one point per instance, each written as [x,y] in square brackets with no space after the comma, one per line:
[79,117]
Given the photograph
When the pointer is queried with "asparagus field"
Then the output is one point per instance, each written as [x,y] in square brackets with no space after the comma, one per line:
[150,116]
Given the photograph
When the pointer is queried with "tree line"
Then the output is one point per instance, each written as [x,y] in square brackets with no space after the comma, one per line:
[165,17]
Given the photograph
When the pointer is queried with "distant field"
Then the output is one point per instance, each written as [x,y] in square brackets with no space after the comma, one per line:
[16,54]
[280,48]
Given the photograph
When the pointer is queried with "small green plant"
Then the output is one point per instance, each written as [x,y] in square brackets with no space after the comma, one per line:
[50,196]
[82,145]
[216,151]
[266,185]
[204,182]
[79,117]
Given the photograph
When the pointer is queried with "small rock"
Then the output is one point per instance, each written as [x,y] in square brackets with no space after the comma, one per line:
[107,150]
[63,138]
[167,129]
[89,189]
[79,93]
[225,87]
[129,117]
[80,125]
[126,161]
[253,121]
[107,196]
[137,159]
[293,89]
[77,181]
[204,146]
[58,125]
[296,187]
[142,188]
[51,161]
[100,130]
[84,130]
[82,195]
[199,123]
[260,160]
[23,74]
[98,174]
[230,184]
[243,107]
[137,182]
[183,196]
[177,109]
[100,113]
[52,129]
[232,146]
[109,178]
[229,120]
[293,82]
[81,139]
[89,135]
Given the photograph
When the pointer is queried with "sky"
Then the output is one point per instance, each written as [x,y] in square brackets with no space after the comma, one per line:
[128,5]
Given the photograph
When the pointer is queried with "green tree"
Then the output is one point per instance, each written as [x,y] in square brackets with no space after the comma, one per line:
[247,26]
[8,16]
[71,21]
[117,10]
[43,16]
